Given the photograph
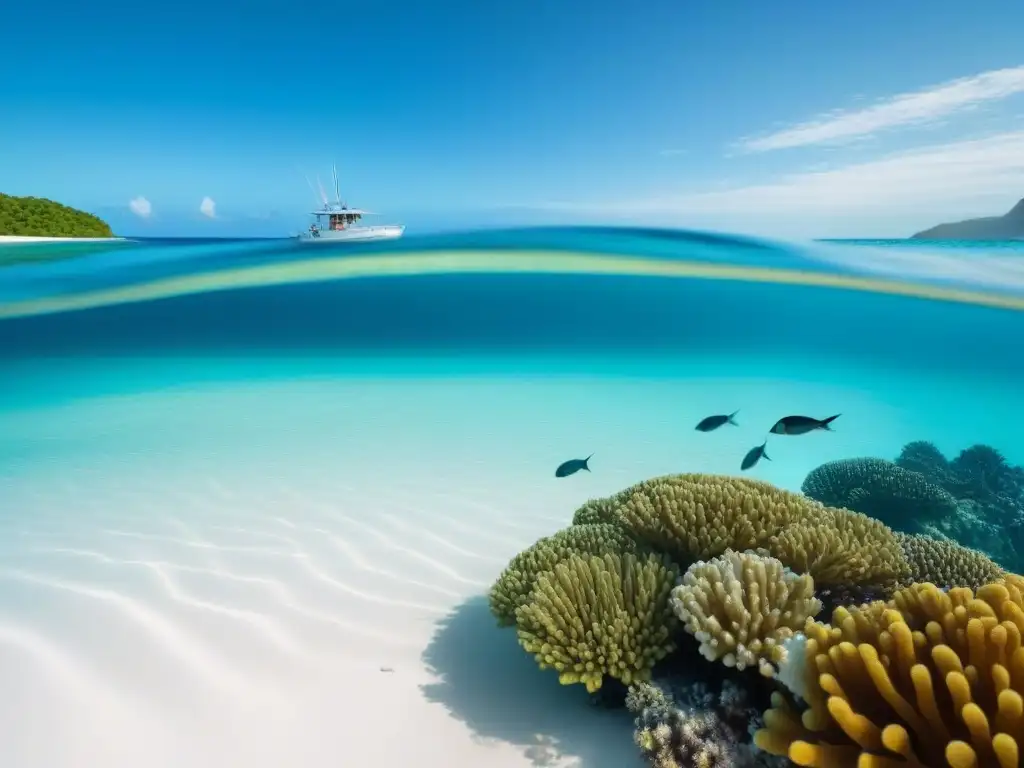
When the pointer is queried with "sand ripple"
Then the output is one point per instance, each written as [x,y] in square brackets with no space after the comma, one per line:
[182,606]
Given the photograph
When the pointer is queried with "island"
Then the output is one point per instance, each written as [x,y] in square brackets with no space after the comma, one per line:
[25,219]
[1009,226]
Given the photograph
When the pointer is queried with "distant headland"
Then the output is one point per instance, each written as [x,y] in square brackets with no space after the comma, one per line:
[1009,226]
[27,219]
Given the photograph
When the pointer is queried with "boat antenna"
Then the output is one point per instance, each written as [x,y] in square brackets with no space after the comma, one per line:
[337,189]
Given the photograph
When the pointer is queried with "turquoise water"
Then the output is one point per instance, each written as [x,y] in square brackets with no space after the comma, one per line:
[240,478]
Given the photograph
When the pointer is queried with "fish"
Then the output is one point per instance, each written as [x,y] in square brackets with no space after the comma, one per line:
[714,422]
[572,466]
[801,425]
[754,455]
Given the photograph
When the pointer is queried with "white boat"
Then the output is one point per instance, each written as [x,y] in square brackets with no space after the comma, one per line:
[341,223]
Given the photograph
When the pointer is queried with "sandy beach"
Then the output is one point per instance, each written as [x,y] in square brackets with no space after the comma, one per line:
[290,570]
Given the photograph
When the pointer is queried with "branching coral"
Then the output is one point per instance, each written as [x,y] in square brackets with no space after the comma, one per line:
[979,473]
[925,458]
[991,498]
[947,563]
[972,526]
[515,582]
[695,517]
[879,488]
[931,679]
[984,473]
[592,616]
[742,606]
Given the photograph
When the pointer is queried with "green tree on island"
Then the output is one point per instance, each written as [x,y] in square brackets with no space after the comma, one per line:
[39,217]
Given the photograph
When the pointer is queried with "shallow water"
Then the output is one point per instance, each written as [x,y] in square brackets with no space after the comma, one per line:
[240,479]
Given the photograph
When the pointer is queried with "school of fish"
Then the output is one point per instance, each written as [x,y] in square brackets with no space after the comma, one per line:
[788,425]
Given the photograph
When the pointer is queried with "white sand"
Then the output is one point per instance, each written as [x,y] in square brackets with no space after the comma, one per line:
[290,572]
[20,239]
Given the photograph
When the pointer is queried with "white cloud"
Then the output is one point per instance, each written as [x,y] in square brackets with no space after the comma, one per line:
[141,207]
[908,190]
[208,207]
[914,108]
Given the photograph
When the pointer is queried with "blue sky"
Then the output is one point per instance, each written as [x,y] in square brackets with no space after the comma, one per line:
[793,119]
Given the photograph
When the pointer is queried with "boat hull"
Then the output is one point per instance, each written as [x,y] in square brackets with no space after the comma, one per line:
[354,235]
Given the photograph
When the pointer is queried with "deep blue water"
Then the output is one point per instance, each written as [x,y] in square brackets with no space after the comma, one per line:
[451,310]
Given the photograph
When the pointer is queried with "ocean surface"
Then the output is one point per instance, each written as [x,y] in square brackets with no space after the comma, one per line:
[244,484]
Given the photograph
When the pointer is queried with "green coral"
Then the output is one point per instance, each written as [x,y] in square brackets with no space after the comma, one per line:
[881,489]
[517,580]
[592,616]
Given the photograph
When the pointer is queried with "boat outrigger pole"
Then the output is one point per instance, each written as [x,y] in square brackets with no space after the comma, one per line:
[310,183]
[323,195]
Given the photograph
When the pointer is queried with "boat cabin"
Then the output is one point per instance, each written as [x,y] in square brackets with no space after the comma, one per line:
[339,219]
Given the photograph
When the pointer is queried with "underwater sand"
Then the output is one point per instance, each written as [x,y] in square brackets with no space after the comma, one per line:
[283,563]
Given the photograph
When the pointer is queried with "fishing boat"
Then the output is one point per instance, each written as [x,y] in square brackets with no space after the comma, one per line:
[337,223]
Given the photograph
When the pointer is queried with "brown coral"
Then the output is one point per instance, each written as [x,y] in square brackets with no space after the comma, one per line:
[946,563]
[742,606]
[929,679]
[695,516]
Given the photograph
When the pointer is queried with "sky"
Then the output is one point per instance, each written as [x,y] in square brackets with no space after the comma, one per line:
[792,120]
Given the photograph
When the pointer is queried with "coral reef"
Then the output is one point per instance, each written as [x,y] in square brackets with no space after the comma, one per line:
[969,525]
[592,616]
[991,495]
[881,489]
[712,576]
[694,516]
[742,606]
[694,727]
[930,679]
[947,563]
[513,586]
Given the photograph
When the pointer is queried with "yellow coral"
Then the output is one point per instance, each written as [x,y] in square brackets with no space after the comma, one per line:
[947,563]
[742,606]
[1013,580]
[592,616]
[697,516]
[930,679]
[515,582]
